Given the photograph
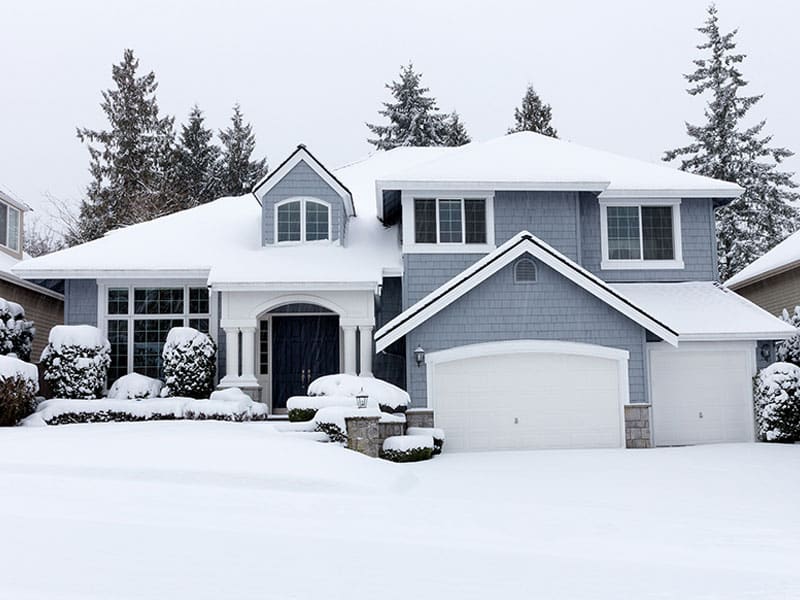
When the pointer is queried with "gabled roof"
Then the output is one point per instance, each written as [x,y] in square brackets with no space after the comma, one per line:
[522,243]
[9,199]
[782,257]
[301,154]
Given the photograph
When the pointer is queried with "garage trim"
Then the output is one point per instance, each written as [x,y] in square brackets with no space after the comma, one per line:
[537,347]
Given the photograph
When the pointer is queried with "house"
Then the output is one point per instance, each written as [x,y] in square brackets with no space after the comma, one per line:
[532,292]
[44,306]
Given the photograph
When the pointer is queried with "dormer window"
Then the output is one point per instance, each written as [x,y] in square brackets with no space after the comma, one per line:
[302,219]
[9,227]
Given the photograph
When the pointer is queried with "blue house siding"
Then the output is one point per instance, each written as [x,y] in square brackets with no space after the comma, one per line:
[302,180]
[423,273]
[552,308]
[699,244]
[80,302]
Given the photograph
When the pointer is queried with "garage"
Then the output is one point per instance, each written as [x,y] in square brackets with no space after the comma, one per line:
[528,395]
[701,393]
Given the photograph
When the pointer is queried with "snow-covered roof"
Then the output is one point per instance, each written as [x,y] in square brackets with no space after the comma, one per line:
[782,257]
[7,197]
[705,311]
[529,160]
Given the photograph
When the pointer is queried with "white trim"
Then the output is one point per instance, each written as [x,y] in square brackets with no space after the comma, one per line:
[641,263]
[303,200]
[117,274]
[269,181]
[410,246]
[18,281]
[617,194]
[328,286]
[522,243]
[18,237]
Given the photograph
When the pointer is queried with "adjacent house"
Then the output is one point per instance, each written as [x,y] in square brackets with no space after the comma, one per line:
[532,292]
[43,305]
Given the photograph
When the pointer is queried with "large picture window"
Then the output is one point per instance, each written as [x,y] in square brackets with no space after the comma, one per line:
[450,221]
[139,319]
[641,235]
[302,219]
[9,227]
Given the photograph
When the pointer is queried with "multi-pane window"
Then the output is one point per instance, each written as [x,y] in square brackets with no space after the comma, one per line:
[9,227]
[263,347]
[450,220]
[137,329]
[303,220]
[640,232]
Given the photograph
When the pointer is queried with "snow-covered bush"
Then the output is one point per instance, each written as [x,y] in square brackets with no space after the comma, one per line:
[436,433]
[16,332]
[19,382]
[789,350]
[331,420]
[231,404]
[388,397]
[75,361]
[777,402]
[303,408]
[190,363]
[135,386]
[407,448]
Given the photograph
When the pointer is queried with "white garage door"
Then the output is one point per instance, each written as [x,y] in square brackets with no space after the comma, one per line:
[521,395]
[701,393]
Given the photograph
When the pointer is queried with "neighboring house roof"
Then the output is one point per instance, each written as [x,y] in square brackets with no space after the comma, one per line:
[7,262]
[522,243]
[8,198]
[782,257]
[704,311]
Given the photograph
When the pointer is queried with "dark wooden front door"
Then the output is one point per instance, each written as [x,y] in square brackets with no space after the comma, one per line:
[303,348]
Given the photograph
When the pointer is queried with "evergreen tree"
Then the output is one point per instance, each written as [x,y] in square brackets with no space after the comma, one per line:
[414,119]
[534,115]
[237,173]
[197,162]
[724,149]
[455,131]
[131,162]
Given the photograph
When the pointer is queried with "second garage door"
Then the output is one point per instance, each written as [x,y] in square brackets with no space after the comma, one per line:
[513,395]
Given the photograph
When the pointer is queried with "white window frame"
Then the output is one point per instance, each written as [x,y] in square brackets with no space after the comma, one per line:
[303,200]
[16,238]
[410,245]
[641,263]
[103,317]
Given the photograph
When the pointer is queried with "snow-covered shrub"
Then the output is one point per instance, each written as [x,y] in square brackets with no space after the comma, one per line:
[303,408]
[190,363]
[407,448]
[16,332]
[331,420]
[135,386]
[231,404]
[777,402]
[789,350]
[75,361]
[388,397]
[436,433]
[19,382]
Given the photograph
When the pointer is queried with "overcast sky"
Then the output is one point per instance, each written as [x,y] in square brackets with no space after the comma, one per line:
[314,72]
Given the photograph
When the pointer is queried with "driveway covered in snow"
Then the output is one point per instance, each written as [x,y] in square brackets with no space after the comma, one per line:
[230,510]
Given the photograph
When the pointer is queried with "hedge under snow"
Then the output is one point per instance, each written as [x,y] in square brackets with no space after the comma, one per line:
[408,448]
[16,332]
[436,433]
[135,386]
[75,361]
[388,397]
[19,382]
[777,402]
[789,350]
[190,363]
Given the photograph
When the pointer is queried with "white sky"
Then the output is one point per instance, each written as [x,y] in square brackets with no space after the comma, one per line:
[313,72]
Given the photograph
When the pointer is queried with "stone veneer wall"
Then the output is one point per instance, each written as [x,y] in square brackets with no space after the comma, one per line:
[637,426]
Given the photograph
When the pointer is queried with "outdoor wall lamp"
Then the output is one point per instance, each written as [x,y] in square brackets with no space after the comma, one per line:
[419,355]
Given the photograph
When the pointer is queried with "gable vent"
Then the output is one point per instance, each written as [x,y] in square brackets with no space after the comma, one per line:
[525,271]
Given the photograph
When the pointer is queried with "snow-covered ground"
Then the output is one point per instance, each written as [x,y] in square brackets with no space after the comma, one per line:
[209,510]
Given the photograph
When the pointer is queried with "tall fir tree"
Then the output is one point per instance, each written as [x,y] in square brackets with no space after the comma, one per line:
[197,160]
[237,172]
[414,119]
[724,148]
[132,162]
[533,115]
[455,132]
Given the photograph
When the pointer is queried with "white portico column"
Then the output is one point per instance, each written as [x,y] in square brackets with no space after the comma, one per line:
[365,332]
[249,355]
[349,349]
[231,355]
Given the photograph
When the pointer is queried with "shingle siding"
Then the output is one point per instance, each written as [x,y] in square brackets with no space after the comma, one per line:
[302,180]
[775,293]
[80,302]
[553,308]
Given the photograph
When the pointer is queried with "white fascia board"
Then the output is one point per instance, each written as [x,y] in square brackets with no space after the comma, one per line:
[671,193]
[490,186]
[487,266]
[18,281]
[111,274]
[751,336]
[289,286]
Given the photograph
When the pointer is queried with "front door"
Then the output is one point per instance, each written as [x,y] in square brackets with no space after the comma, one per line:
[303,348]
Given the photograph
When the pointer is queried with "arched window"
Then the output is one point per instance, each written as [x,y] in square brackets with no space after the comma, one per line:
[302,219]
[525,271]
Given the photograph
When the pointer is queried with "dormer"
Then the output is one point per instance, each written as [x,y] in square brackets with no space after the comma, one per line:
[11,225]
[303,202]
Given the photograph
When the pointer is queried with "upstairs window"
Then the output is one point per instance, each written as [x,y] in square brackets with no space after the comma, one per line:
[9,227]
[450,220]
[302,219]
[641,235]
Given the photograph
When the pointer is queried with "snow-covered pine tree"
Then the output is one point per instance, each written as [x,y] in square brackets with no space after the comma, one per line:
[724,148]
[789,350]
[455,131]
[197,161]
[533,115]
[237,172]
[414,119]
[131,162]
